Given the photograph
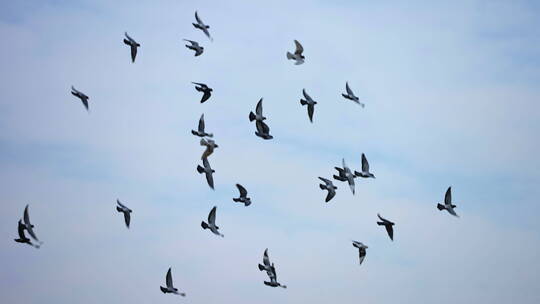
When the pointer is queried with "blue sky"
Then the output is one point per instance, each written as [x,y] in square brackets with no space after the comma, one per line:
[451,93]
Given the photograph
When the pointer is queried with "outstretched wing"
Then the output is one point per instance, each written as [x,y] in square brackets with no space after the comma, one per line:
[310,110]
[212,216]
[206,96]
[365,164]
[243,191]
[381,218]
[299,48]
[266,259]
[129,38]
[201,124]
[199,21]
[306,96]
[448,196]
[390,231]
[259,108]
[330,195]
[27,217]
[133,52]
[168,279]
[120,204]
[127,218]
[349,91]
[326,181]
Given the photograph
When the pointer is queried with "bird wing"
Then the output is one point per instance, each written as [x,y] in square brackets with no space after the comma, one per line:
[331,194]
[266,259]
[190,41]
[85,103]
[205,96]
[365,164]
[326,181]
[452,211]
[168,279]
[127,217]
[262,127]
[129,38]
[306,96]
[349,91]
[206,164]
[201,124]
[212,216]
[210,179]
[120,204]
[299,48]
[381,218]
[310,110]
[199,21]
[27,217]
[133,52]
[259,108]
[243,191]
[20,230]
[199,84]
[448,196]
[74,90]
[361,254]
[343,163]
[390,231]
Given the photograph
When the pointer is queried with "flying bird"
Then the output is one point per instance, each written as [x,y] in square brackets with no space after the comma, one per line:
[207,91]
[310,104]
[448,203]
[263,130]
[361,250]
[22,238]
[258,115]
[345,175]
[350,95]
[365,169]
[388,225]
[297,56]
[170,288]
[201,26]
[200,129]
[133,46]
[195,47]
[329,186]
[210,146]
[212,223]
[125,210]
[270,271]
[265,266]
[207,170]
[28,225]
[244,199]
[81,96]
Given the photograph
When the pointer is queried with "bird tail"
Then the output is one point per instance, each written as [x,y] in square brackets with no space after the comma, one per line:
[204,225]
[261,267]
[289,55]
[356,173]
[193,132]
[440,207]
[118,209]
[200,169]
[303,102]
[163,289]
[322,187]
[251,116]
[236,200]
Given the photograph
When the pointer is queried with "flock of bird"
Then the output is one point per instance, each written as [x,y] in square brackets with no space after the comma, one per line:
[344,173]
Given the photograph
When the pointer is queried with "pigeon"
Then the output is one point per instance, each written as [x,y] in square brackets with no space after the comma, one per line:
[258,115]
[243,196]
[170,288]
[81,96]
[310,104]
[350,95]
[266,266]
[270,271]
[365,169]
[345,174]
[210,146]
[200,129]
[22,238]
[328,185]
[388,225]
[201,26]
[125,210]
[212,223]
[133,45]
[263,131]
[195,46]
[28,226]
[361,250]
[297,56]
[207,170]
[448,203]
[201,87]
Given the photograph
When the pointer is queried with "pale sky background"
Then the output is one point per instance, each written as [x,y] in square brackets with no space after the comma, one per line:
[451,93]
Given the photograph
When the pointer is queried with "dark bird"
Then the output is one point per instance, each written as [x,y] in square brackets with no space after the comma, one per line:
[200,129]
[263,130]
[22,238]
[210,146]
[170,288]
[448,203]
[270,271]
[365,169]
[297,56]
[329,186]
[265,266]
[207,91]
[258,115]
[350,95]
[212,223]
[133,45]
[345,175]
[201,26]
[28,226]
[388,225]
[361,250]
[207,170]
[310,104]
[244,199]
[195,46]
[125,210]
[81,96]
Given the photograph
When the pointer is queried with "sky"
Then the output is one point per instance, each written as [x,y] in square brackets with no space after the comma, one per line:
[451,93]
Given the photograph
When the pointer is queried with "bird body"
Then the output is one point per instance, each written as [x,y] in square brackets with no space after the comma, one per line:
[22,237]
[263,130]
[270,271]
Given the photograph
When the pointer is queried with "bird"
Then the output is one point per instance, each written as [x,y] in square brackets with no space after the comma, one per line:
[350,95]
[448,203]
[201,87]
[263,130]
[388,225]
[345,174]
[270,271]
[133,46]
[297,56]
[266,266]
[201,26]
[28,226]
[200,129]
[212,223]
[258,115]
[365,169]
[328,185]
[243,196]
[207,170]
[361,250]
[310,104]
[22,238]
[210,146]
[81,96]
[170,288]
[125,210]
[195,46]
